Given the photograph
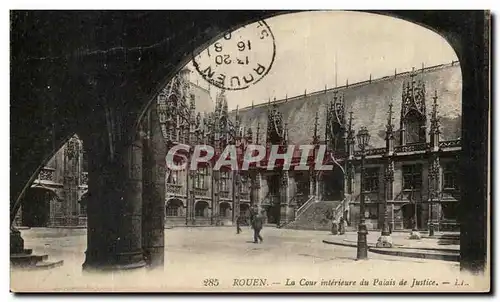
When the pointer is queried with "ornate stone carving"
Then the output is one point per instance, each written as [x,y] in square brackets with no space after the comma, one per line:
[335,123]
[46,174]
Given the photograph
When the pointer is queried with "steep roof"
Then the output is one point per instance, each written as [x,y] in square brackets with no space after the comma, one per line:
[369,102]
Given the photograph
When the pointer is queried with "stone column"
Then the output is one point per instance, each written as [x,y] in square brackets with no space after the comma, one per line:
[70,181]
[114,205]
[153,222]
[284,198]
[236,195]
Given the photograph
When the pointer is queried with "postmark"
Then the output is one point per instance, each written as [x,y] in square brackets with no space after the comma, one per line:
[239,59]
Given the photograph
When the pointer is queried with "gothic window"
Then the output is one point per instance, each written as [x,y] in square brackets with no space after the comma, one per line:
[224,181]
[244,184]
[370,180]
[200,178]
[412,177]
[173,208]
[413,125]
[450,174]
[201,209]
[173,176]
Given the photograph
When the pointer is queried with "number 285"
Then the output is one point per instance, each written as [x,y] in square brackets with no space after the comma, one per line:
[211,282]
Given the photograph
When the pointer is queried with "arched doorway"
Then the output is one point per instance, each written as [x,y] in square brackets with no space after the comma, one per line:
[173,208]
[201,209]
[332,184]
[36,207]
[408,212]
[225,210]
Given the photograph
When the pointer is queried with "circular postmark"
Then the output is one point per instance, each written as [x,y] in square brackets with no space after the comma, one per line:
[239,59]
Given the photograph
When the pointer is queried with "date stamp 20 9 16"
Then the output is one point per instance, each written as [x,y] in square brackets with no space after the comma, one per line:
[239,59]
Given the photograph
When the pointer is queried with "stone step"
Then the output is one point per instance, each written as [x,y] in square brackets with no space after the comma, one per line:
[23,260]
[45,265]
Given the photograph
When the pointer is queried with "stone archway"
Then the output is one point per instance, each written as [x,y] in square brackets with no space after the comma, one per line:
[36,207]
[408,215]
[331,184]
[174,208]
[201,209]
[475,89]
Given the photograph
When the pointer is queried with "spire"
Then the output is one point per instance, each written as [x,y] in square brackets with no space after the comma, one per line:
[350,130]
[346,82]
[249,135]
[258,133]
[390,126]
[286,98]
[435,131]
[434,116]
[325,88]
[315,136]
[252,104]
[351,140]
[285,133]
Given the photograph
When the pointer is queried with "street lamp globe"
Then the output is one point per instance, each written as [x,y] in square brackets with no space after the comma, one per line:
[363,138]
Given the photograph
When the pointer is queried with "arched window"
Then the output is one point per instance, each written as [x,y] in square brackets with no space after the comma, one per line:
[201,209]
[413,126]
[224,181]
[200,178]
[173,208]
[173,176]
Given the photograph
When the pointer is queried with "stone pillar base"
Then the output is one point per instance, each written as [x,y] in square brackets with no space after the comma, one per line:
[124,261]
[384,241]
[16,241]
[415,235]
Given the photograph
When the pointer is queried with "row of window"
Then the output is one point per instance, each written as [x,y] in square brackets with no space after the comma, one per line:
[173,209]
[412,177]
[200,180]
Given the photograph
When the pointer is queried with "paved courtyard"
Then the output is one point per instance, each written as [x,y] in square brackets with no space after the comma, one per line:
[196,255]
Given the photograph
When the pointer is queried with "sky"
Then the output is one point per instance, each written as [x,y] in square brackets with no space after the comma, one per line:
[318,49]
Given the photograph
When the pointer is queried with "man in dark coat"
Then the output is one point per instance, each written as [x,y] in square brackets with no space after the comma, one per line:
[257,223]
[238,222]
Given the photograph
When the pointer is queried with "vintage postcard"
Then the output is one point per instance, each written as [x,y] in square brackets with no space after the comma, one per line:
[250,151]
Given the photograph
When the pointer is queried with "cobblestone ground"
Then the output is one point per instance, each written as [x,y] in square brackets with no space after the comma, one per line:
[196,255]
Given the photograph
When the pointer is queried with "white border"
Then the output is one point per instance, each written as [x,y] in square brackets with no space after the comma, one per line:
[189,4]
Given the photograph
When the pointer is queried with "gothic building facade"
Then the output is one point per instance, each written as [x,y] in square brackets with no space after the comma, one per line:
[411,167]
[57,195]
[411,162]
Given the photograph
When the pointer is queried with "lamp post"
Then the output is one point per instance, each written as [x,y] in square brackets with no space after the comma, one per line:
[414,232]
[362,252]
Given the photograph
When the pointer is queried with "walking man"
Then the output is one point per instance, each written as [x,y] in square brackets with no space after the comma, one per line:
[257,223]
[238,228]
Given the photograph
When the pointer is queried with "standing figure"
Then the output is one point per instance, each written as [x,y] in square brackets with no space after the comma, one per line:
[257,223]
[341,226]
[238,221]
